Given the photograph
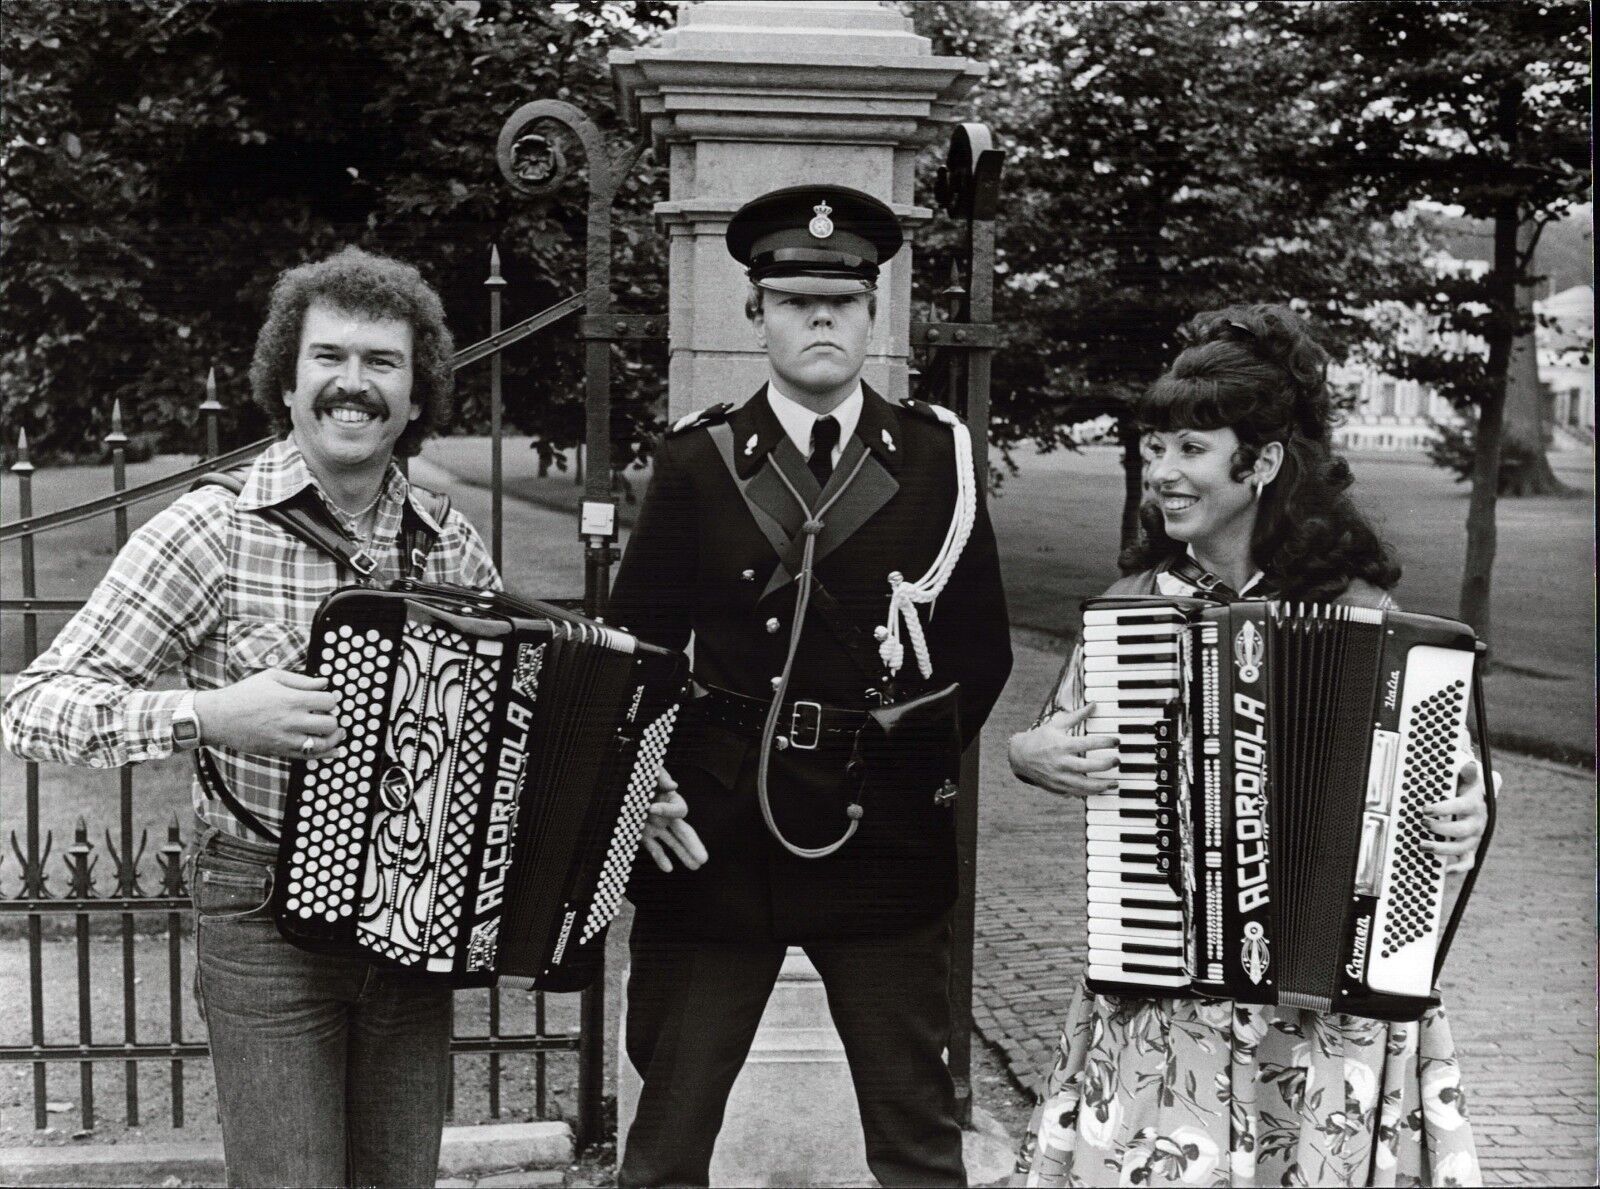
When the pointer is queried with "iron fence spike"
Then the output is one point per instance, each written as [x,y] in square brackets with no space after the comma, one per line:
[22,465]
[494,267]
[116,437]
[211,404]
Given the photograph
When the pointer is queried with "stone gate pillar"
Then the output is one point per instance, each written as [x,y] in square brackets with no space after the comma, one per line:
[742,98]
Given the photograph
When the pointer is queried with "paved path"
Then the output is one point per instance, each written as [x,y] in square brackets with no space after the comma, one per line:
[1520,985]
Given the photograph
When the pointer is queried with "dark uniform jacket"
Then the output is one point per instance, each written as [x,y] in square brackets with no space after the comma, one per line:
[714,558]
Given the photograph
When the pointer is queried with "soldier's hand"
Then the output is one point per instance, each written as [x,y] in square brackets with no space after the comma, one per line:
[1458,822]
[1050,757]
[272,713]
[667,831]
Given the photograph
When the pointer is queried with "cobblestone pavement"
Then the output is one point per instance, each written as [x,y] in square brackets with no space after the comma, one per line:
[1520,984]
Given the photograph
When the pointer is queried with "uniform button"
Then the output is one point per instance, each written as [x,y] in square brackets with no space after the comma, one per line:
[772,626]
[748,575]
[781,742]
[776,682]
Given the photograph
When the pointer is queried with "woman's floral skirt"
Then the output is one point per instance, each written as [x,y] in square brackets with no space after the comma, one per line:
[1209,1092]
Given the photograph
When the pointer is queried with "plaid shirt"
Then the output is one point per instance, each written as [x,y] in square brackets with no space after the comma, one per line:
[221,594]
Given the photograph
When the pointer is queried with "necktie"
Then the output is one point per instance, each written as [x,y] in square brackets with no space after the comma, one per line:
[824,437]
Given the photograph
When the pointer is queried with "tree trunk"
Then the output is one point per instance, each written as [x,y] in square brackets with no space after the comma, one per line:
[1524,411]
[1132,475]
[1478,569]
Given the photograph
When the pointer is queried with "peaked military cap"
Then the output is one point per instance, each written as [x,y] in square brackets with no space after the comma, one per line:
[814,239]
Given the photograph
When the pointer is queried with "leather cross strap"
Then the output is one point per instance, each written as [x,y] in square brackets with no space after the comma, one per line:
[862,653]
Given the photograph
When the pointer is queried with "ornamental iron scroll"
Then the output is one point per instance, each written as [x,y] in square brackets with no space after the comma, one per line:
[532,158]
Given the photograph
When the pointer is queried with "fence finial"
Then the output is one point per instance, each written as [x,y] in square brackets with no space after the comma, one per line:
[494,267]
[22,464]
[116,437]
[211,404]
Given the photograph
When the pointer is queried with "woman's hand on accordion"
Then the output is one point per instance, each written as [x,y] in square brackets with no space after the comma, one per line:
[1051,757]
[272,713]
[1459,821]
[667,831]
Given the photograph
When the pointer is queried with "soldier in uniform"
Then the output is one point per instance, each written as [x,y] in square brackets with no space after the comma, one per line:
[829,554]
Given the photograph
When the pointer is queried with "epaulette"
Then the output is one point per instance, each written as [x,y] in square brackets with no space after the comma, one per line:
[932,412]
[715,415]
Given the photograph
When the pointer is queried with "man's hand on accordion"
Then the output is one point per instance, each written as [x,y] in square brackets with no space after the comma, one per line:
[1053,758]
[667,830]
[1459,821]
[272,713]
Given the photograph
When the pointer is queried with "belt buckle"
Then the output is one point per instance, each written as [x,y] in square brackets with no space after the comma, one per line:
[811,720]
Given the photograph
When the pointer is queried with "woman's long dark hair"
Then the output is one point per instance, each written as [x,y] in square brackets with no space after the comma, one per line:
[1256,370]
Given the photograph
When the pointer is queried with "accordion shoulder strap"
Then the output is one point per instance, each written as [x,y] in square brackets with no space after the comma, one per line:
[211,780]
[306,520]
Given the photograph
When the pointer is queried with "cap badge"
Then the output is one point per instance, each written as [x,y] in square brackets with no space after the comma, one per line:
[887,440]
[750,446]
[821,227]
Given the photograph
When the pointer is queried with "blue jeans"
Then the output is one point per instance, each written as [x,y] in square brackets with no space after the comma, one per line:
[329,1071]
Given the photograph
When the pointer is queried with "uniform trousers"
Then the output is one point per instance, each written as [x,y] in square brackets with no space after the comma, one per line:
[693,1009]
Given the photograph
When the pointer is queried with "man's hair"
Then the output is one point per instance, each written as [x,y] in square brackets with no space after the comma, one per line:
[754,298]
[358,282]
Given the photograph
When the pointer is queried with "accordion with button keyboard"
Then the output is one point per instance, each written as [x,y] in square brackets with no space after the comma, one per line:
[482,816]
[1274,763]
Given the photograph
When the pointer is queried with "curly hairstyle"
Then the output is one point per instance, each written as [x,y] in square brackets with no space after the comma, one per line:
[358,282]
[1256,370]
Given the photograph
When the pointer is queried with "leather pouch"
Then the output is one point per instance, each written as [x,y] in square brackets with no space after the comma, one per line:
[914,747]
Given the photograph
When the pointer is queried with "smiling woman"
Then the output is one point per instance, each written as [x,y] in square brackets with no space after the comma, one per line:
[1249,500]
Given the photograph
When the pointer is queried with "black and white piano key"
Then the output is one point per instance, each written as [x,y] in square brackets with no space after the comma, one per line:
[1164,951]
[1128,633]
[1103,676]
[1164,664]
[1122,833]
[1114,918]
[1128,818]
[1136,799]
[1130,851]
[1140,902]
[1135,882]
[1138,975]
[1104,616]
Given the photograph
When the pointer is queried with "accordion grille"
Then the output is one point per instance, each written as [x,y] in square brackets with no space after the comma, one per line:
[1429,777]
[630,826]
[323,866]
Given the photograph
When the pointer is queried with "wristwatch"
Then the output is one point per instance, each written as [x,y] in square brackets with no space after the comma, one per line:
[185,726]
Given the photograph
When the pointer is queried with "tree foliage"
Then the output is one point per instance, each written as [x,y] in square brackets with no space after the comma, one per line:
[165,159]
[1482,107]
[1149,176]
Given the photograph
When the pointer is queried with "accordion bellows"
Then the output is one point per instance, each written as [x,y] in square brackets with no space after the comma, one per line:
[1274,764]
[483,816]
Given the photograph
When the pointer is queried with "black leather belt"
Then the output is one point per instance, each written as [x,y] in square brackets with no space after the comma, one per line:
[802,722]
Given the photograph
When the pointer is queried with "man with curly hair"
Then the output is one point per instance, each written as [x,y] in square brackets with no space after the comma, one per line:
[329,1071]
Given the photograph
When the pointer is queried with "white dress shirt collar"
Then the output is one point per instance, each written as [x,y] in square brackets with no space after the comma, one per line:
[797,420]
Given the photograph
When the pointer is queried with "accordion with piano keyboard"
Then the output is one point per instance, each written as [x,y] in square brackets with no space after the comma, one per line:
[483,814]
[1274,763]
